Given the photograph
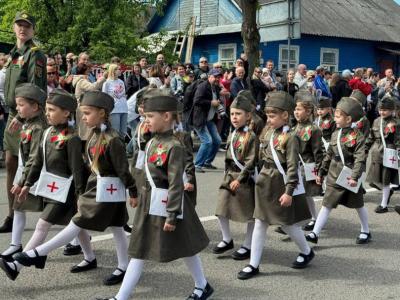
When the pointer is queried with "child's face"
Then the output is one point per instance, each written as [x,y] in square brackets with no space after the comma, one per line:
[92,116]
[276,119]
[301,113]
[56,115]
[239,117]
[25,108]
[322,112]
[342,120]
[385,113]
[158,121]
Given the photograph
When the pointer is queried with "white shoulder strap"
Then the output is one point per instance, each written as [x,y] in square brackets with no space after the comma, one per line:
[340,146]
[88,155]
[46,133]
[275,157]
[237,163]
[381,133]
[148,175]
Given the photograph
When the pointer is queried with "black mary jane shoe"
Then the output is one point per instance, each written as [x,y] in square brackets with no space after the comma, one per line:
[90,266]
[220,250]
[127,228]
[242,275]
[12,274]
[114,279]
[38,261]
[366,240]
[381,210]
[70,250]
[306,260]
[9,257]
[312,237]
[241,256]
[309,226]
[207,292]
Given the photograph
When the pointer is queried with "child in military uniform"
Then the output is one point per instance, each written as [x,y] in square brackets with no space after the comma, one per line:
[236,193]
[386,130]
[311,153]
[166,226]
[361,124]
[346,152]
[325,120]
[30,101]
[278,196]
[103,204]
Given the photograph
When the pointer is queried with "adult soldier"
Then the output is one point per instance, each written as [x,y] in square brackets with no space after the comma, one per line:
[26,64]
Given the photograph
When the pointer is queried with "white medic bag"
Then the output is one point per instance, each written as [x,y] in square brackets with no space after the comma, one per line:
[390,156]
[300,186]
[345,174]
[49,185]
[310,171]
[159,197]
[18,174]
[141,154]
[108,189]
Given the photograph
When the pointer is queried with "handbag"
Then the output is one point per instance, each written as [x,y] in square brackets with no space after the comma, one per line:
[310,171]
[18,174]
[390,156]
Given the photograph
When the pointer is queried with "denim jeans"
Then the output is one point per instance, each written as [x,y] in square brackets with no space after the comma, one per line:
[210,142]
[119,122]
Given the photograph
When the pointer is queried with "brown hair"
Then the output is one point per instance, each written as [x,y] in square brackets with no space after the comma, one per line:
[308,105]
[101,140]
[274,110]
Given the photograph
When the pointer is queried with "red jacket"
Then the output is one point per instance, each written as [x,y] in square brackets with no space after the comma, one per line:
[357,84]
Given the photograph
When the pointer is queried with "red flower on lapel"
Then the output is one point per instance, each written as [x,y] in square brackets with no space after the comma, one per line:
[305,133]
[389,128]
[326,124]
[26,135]
[60,139]
[159,156]
[350,139]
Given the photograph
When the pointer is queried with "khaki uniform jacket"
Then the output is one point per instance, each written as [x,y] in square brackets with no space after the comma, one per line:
[327,125]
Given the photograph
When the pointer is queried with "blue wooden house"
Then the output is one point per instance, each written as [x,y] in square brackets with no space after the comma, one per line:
[340,34]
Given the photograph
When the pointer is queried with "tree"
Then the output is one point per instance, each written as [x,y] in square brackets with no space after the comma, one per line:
[250,33]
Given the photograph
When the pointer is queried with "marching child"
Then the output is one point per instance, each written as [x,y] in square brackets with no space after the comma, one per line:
[236,193]
[310,153]
[361,124]
[30,101]
[344,164]
[103,204]
[279,198]
[166,226]
[325,120]
[384,135]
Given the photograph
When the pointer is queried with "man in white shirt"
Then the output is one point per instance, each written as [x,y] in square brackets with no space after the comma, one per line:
[300,78]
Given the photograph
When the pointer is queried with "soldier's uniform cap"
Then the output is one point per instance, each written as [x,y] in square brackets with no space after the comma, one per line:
[159,101]
[351,108]
[388,102]
[359,96]
[23,16]
[304,96]
[242,102]
[32,92]
[248,95]
[280,100]
[62,99]
[324,102]
[98,99]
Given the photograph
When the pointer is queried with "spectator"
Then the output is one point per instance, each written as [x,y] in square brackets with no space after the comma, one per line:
[189,66]
[143,66]
[70,63]
[205,107]
[357,84]
[388,77]
[320,84]
[59,63]
[202,69]
[116,60]
[243,57]
[156,77]
[300,78]
[83,59]
[160,59]
[258,89]
[340,87]
[238,64]
[177,82]
[3,107]
[290,86]
[238,83]
[227,79]
[52,82]
[115,87]
[388,90]
[135,81]
[328,78]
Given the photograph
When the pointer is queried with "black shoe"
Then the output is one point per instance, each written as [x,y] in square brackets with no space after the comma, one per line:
[127,228]
[397,209]
[12,274]
[70,249]
[364,240]
[242,275]
[38,261]
[210,167]
[9,257]
[241,256]
[207,292]
[312,237]
[307,259]
[90,266]
[114,279]
[280,230]
[220,250]
[7,225]
[309,226]
[381,210]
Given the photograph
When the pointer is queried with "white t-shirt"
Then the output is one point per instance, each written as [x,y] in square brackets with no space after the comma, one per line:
[116,89]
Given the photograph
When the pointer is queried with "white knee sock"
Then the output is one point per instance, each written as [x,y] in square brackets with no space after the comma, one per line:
[321,219]
[61,239]
[226,232]
[385,196]
[247,239]
[363,214]
[131,279]
[84,240]
[39,236]
[297,236]
[195,267]
[121,244]
[17,231]
[257,243]
[75,242]
[311,207]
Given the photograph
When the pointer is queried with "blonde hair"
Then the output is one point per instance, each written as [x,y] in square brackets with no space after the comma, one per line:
[273,110]
[308,105]
[112,71]
[100,141]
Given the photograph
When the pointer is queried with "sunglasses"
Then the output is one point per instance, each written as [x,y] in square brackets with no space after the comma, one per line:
[51,73]
[204,62]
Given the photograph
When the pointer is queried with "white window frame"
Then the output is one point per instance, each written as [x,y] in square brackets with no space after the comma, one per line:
[226,62]
[330,67]
[294,63]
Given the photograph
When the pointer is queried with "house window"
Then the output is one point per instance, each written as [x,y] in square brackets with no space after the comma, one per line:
[330,59]
[284,57]
[227,55]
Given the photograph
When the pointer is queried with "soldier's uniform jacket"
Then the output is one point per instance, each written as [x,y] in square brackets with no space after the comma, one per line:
[363,125]
[166,163]
[239,205]
[327,125]
[256,124]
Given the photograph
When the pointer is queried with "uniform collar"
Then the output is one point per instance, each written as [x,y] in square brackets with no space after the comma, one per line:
[165,133]
[24,48]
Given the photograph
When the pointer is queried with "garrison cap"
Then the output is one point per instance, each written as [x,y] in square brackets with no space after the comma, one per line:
[248,95]
[62,99]
[388,102]
[24,16]
[351,107]
[98,99]
[32,92]
[304,96]
[242,102]
[159,101]
[324,102]
[280,100]
[359,96]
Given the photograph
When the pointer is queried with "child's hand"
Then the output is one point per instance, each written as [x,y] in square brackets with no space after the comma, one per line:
[133,202]
[16,189]
[319,180]
[285,200]
[169,227]
[23,193]
[352,182]
[234,185]
[189,187]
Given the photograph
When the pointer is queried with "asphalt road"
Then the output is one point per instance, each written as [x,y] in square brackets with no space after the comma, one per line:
[341,269]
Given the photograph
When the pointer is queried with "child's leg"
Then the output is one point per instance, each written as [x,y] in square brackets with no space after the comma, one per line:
[132,276]
[297,235]
[84,240]
[385,196]
[121,244]
[363,214]
[226,232]
[247,240]
[39,236]
[17,231]
[311,207]
[195,267]
[75,242]
[257,244]
[321,220]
